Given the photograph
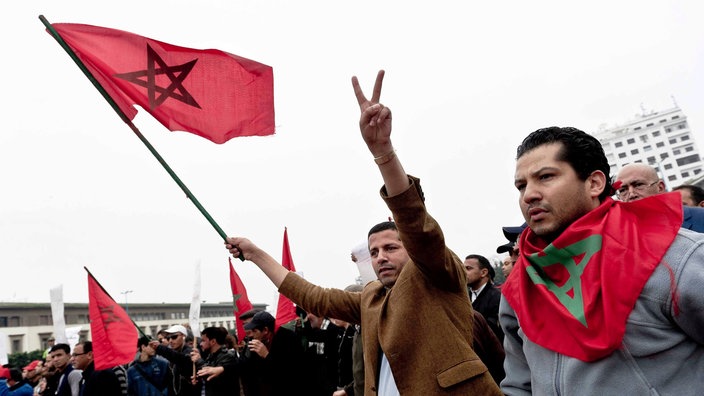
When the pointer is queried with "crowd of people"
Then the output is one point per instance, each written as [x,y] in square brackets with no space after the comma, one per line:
[602,296]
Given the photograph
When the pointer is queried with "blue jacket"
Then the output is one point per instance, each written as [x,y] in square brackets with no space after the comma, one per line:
[150,378]
[693,218]
[21,389]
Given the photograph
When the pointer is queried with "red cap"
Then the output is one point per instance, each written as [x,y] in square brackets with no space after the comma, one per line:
[4,372]
[32,365]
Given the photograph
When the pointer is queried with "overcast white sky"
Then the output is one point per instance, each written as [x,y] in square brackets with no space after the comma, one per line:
[466,82]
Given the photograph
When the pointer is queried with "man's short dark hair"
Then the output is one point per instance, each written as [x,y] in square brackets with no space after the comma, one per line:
[696,192]
[87,346]
[483,264]
[63,347]
[15,375]
[219,334]
[582,151]
[143,341]
[383,226]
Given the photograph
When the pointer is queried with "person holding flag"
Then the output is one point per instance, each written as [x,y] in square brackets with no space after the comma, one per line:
[421,286]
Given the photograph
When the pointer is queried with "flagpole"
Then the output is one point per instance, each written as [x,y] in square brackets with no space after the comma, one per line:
[134,129]
[108,294]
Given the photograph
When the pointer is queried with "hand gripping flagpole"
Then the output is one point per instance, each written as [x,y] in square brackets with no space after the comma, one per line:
[136,131]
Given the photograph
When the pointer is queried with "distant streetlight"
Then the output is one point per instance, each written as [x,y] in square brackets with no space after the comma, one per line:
[125,293]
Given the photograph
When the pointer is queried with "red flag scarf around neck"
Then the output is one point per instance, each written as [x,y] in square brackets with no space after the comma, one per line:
[573,296]
[211,93]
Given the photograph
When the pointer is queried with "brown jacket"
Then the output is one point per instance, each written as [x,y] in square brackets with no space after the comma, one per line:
[423,324]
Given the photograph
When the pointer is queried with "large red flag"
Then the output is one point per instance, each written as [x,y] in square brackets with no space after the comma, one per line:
[113,332]
[211,93]
[574,295]
[285,310]
[239,295]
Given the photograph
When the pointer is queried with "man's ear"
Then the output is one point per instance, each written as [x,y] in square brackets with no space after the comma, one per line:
[596,183]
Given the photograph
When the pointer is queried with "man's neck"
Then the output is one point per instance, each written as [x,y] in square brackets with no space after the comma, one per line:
[479,286]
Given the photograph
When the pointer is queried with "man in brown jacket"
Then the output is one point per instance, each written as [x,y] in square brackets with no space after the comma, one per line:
[421,287]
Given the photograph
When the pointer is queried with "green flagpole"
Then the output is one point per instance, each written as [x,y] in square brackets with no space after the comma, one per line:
[136,131]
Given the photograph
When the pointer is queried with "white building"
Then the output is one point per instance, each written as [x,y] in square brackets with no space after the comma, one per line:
[662,139]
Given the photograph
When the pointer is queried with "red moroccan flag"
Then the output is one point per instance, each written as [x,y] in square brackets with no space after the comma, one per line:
[239,295]
[210,93]
[285,310]
[113,332]
[574,295]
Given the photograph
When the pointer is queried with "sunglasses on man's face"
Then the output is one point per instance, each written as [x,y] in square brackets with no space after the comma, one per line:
[172,337]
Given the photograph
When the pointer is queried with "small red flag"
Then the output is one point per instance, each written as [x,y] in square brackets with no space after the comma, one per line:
[239,296]
[211,93]
[285,310]
[114,335]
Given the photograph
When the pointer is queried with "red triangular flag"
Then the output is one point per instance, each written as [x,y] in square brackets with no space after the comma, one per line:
[241,300]
[211,93]
[113,332]
[285,310]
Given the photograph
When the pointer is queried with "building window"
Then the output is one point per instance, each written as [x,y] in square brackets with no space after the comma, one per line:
[649,124]
[668,166]
[643,138]
[675,117]
[688,149]
[688,159]
[668,130]
[676,152]
[16,344]
[656,133]
[673,140]
[634,151]
[664,155]
[622,155]
[661,121]
[681,126]
[14,321]
[651,160]
[659,144]
[647,148]
[630,141]
[697,171]
[637,128]
[618,144]
[44,320]
[3,321]
[684,137]
[685,174]
[672,178]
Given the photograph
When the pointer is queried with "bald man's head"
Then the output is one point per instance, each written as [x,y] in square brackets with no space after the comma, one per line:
[638,181]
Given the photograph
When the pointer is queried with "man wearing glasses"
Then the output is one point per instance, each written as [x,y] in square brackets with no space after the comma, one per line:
[641,180]
[179,356]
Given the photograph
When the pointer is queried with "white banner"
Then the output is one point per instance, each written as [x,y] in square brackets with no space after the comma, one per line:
[3,348]
[364,262]
[194,313]
[57,314]
[73,335]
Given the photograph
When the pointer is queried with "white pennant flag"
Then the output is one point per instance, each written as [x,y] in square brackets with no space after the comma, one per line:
[194,313]
[364,262]
[3,348]
[57,314]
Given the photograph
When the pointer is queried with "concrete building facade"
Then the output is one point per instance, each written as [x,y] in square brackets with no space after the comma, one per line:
[28,326]
[662,139]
